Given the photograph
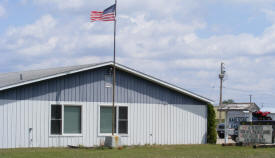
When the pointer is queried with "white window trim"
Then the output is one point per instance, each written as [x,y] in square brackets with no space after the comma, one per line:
[117,117]
[62,116]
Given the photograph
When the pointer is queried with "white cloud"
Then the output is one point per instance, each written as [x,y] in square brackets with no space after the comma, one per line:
[248,2]
[2,11]
[33,39]
[159,6]
[62,4]
[270,14]
[46,47]
[39,29]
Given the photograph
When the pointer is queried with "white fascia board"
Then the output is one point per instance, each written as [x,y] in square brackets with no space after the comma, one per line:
[54,76]
[147,77]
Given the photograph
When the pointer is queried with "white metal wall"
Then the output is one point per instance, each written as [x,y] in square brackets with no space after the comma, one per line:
[148,124]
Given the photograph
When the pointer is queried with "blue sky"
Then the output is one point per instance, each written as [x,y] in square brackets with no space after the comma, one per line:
[180,41]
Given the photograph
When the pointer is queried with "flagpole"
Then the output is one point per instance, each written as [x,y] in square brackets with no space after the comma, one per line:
[114,75]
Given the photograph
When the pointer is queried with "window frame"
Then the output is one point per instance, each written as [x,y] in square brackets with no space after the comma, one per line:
[55,119]
[62,126]
[117,121]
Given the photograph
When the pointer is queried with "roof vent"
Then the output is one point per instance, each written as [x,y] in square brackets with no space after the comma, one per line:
[21,77]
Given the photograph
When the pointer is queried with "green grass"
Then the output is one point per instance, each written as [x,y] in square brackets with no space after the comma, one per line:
[180,151]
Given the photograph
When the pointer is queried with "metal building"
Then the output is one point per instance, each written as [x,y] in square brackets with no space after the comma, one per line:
[72,106]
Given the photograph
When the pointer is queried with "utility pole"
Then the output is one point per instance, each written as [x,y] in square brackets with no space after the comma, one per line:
[221,76]
[250,113]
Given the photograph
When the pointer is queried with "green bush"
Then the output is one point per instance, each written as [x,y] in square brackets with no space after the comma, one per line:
[211,125]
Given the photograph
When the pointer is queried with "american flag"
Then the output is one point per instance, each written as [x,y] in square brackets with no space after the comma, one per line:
[106,15]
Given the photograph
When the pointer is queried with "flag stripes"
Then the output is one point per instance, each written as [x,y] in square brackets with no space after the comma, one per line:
[106,15]
[102,17]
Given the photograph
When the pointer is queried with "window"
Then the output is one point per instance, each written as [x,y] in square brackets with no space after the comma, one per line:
[68,116]
[56,119]
[106,120]
[123,120]
[72,119]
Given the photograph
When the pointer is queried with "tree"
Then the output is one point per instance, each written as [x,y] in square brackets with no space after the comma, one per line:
[229,101]
[211,125]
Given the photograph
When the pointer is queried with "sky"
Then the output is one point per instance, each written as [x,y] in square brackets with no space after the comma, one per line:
[182,42]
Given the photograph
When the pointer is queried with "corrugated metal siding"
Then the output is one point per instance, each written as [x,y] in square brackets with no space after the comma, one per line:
[157,115]
[148,124]
[90,86]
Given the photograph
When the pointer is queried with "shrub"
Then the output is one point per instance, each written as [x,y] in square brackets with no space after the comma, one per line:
[211,125]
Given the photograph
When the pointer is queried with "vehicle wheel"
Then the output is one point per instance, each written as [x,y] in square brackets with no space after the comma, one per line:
[234,137]
[221,135]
